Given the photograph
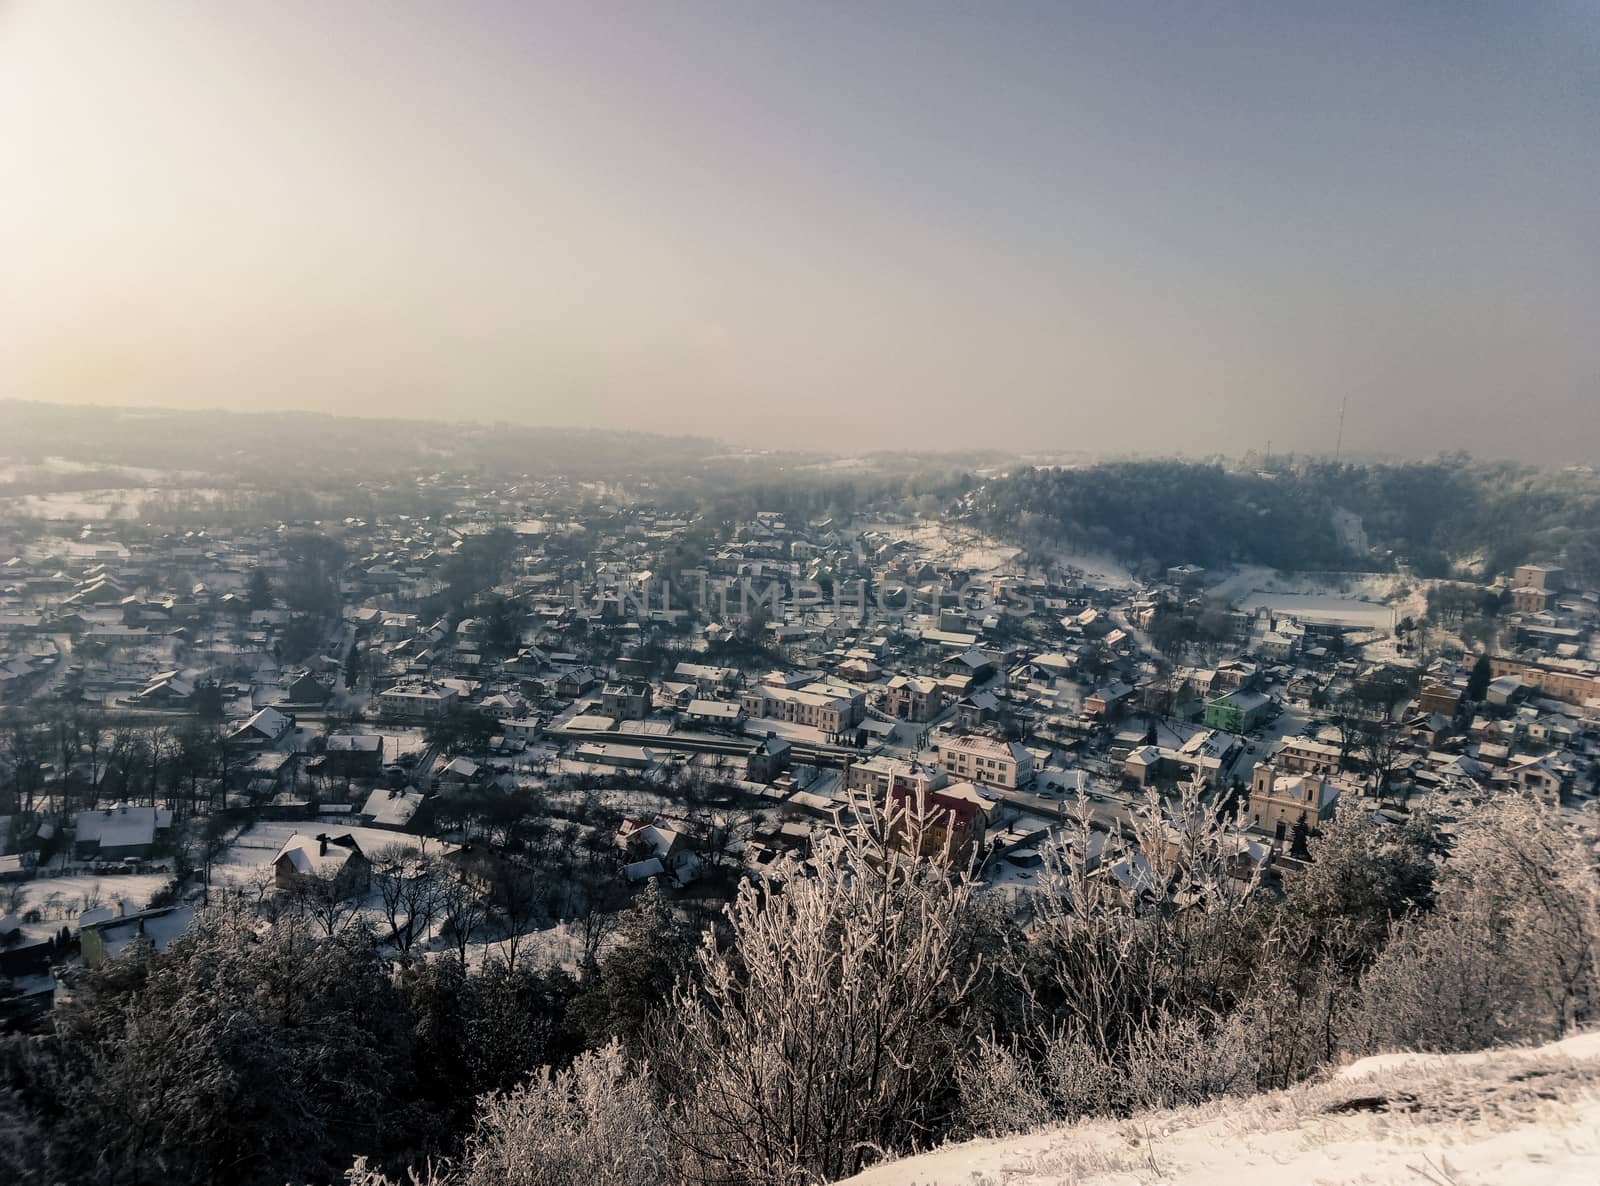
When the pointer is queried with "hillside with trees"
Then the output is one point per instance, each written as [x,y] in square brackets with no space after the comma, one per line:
[1445,517]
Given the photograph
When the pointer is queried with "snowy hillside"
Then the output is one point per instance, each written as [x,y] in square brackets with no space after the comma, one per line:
[1530,1117]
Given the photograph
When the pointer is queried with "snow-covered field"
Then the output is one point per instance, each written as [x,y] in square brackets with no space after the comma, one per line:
[1370,586]
[113,503]
[961,547]
[1514,1117]
[1325,607]
[59,900]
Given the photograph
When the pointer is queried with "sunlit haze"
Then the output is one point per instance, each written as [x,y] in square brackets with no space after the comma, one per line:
[1125,227]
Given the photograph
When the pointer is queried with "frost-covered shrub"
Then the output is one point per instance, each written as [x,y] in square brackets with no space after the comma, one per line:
[830,1026]
[595,1124]
[1174,1062]
[1510,953]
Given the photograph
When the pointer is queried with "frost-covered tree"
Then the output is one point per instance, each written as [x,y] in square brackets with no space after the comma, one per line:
[1512,950]
[597,1123]
[631,984]
[242,1054]
[1364,875]
[827,1029]
[1130,926]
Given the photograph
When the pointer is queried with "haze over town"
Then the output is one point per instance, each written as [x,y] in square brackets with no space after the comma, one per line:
[1120,227]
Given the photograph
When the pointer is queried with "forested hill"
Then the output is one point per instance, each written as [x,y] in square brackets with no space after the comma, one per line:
[1443,517]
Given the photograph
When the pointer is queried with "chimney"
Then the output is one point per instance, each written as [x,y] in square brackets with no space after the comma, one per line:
[322,844]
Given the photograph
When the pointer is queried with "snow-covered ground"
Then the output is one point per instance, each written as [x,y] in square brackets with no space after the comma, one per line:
[1522,1117]
[1369,586]
[1324,607]
[122,502]
[59,900]
[962,547]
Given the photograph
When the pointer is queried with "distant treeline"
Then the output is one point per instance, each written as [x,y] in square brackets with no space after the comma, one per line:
[270,446]
[1445,517]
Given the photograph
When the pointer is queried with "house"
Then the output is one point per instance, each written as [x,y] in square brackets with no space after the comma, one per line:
[522,728]
[354,755]
[105,939]
[714,712]
[504,706]
[25,969]
[1539,775]
[626,700]
[984,759]
[1438,698]
[1505,690]
[913,698]
[458,771]
[661,849]
[168,689]
[424,701]
[1050,666]
[265,727]
[1547,577]
[308,689]
[1530,599]
[625,757]
[389,808]
[951,820]
[117,833]
[708,679]
[1304,755]
[1206,754]
[576,682]
[878,776]
[830,708]
[1109,701]
[322,859]
[976,664]
[976,709]
[767,759]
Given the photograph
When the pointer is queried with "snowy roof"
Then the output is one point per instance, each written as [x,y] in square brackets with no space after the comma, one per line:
[311,856]
[122,826]
[392,808]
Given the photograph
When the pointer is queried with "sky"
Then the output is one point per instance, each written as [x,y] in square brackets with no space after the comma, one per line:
[1125,227]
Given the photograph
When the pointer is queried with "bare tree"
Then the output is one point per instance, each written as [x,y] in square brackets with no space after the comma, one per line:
[328,900]
[518,899]
[464,913]
[409,887]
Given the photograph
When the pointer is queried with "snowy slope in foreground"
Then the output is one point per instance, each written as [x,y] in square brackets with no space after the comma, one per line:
[1529,1117]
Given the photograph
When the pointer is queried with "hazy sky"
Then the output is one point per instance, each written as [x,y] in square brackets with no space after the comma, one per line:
[1129,226]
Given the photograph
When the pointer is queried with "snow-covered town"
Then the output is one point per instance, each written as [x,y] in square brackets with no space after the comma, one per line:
[561,694]
[783,594]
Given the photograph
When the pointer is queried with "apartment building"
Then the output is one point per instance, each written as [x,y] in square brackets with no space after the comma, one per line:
[1302,755]
[417,700]
[829,708]
[1576,684]
[989,760]
[878,776]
